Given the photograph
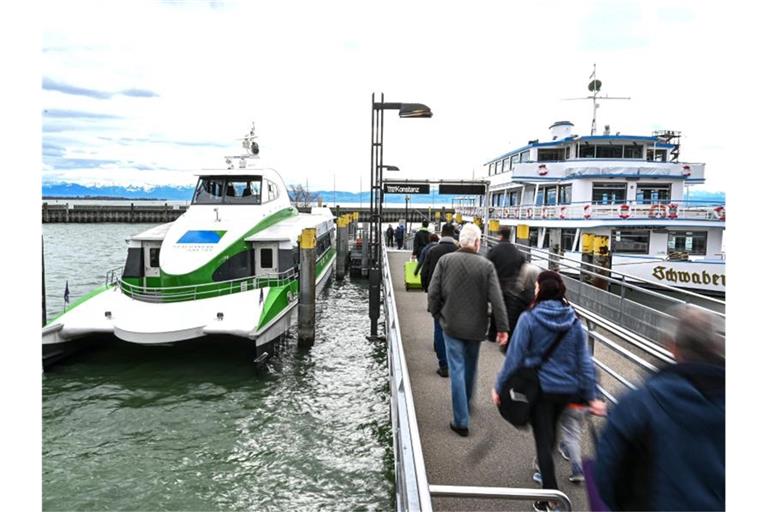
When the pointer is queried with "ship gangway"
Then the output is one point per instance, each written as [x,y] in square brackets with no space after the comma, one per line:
[491,469]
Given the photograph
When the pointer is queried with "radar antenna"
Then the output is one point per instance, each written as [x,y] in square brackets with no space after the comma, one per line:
[594,87]
[249,141]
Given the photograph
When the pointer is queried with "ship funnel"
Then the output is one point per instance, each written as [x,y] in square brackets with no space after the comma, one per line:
[561,130]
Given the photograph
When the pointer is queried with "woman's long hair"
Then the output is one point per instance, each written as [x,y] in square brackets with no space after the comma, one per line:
[551,287]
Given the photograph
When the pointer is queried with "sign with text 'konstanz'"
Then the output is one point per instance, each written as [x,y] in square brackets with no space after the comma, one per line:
[406,188]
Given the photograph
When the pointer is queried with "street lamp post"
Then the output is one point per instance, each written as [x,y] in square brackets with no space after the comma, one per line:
[406,110]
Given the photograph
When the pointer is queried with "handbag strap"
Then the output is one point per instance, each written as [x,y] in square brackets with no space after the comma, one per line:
[553,346]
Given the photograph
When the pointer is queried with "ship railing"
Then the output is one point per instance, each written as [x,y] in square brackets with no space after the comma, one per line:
[160,294]
[666,209]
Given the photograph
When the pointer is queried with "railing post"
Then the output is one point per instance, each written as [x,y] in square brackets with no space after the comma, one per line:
[307,259]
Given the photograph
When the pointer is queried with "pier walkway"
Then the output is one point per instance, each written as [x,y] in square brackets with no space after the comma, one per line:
[495,454]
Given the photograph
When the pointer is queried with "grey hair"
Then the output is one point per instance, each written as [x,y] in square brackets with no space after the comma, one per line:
[698,335]
[469,235]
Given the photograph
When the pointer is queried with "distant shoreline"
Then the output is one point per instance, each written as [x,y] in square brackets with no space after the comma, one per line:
[104,198]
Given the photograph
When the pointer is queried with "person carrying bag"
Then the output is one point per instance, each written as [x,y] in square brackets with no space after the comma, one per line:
[548,359]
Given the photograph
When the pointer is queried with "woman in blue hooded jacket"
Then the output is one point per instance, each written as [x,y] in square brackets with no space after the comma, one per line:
[567,376]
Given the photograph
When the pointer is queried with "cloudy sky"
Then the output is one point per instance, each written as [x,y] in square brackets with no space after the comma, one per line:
[141,93]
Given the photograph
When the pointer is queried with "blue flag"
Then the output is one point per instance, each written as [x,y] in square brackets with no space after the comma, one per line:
[66,293]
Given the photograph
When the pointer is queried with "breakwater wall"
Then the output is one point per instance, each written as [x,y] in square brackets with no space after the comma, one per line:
[154,213]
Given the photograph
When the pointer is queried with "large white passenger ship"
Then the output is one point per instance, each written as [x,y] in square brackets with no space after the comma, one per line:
[631,188]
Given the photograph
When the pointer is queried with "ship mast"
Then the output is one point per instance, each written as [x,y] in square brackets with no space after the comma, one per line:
[594,87]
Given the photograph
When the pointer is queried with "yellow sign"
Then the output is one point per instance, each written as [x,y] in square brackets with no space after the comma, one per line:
[448,217]
[587,240]
[599,243]
[522,232]
[493,226]
[308,239]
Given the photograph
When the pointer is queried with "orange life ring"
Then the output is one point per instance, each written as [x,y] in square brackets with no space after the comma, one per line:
[563,210]
[672,211]
[587,211]
[658,211]
[624,211]
[720,211]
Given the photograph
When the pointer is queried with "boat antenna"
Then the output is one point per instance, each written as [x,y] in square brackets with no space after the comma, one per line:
[594,87]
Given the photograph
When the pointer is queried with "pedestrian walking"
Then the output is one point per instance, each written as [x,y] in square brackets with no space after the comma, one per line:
[508,261]
[433,239]
[460,289]
[566,376]
[445,245]
[663,446]
[390,236]
[399,236]
[420,239]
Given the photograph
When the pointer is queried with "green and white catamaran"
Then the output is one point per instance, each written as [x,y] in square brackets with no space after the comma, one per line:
[227,266]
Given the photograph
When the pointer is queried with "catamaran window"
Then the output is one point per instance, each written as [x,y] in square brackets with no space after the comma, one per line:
[658,155]
[154,257]
[266,258]
[651,193]
[238,266]
[551,155]
[609,193]
[633,151]
[564,194]
[632,241]
[608,151]
[692,242]
[525,156]
[586,151]
[235,190]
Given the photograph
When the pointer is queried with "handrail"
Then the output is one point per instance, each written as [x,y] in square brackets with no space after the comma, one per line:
[465,491]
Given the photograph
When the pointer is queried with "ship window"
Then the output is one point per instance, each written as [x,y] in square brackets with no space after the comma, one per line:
[514,198]
[633,151]
[154,257]
[266,258]
[567,236]
[243,191]
[209,190]
[516,158]
[604,151]
[631,241]
[134,263]
[237,266]
[525,156]
[656,155]
[490,169]
[505,165]
[551,155]
[550,195]
[651,193]
[533,237]
[609,193]
[586,151]
[691,242]
[567,152]
[564,194]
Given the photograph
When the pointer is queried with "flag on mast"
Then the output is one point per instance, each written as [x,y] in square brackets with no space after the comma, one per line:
[66,292]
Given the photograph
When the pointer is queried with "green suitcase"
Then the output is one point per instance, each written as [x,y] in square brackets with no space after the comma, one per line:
[412,282]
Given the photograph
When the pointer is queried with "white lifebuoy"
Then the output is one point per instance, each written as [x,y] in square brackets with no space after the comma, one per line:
[529,213]
[543,170]
[686,170]
[563,211]
[720,212]
[658,211]
[624,211]
[587,211]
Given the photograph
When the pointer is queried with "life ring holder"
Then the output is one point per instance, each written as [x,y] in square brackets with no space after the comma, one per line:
[587,211]
[658,211]
[624,211]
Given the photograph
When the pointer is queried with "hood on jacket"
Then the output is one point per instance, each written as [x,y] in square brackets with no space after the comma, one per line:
[553,315]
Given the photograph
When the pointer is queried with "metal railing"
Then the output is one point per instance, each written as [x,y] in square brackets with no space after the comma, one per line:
[160,294]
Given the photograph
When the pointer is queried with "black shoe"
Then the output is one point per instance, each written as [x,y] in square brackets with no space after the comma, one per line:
[442,371]
[463,432]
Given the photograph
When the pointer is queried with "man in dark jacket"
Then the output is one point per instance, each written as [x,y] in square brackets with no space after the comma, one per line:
[390,236]
[445,245]
[460,289]
[663,447]
[399,236]
[420,239]
[508,260]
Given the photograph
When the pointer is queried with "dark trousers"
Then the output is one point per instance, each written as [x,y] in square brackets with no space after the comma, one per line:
[399,243]
[544,419]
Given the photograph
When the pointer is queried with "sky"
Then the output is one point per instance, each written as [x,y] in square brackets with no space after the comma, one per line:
[142,94]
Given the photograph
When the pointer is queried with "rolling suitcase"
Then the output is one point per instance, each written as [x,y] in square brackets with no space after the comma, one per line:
[412,282]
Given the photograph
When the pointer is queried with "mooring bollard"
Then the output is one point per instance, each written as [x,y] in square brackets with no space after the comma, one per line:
[342,246]
[522,238]
[307,258]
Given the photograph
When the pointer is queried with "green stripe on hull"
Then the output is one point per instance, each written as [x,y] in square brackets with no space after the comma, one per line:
[79,301]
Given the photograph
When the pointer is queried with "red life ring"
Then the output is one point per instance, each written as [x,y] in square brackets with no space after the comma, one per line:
[658,211]
[672,211]
[587,211]
[624,211]
[720,211]
[543,170]
[563,209]
[686,170]
[529,213]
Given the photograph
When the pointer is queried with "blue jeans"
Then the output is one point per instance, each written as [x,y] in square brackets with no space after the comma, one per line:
[571,423]
[462,369]
[439,344]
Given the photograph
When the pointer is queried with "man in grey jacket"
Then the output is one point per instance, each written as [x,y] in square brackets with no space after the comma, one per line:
[462,285]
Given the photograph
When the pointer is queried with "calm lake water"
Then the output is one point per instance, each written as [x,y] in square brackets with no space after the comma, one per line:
[198,426]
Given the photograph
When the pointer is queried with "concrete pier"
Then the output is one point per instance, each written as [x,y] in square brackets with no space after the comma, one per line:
[495,454]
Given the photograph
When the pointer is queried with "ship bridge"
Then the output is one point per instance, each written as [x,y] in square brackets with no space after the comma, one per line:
[492,468]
